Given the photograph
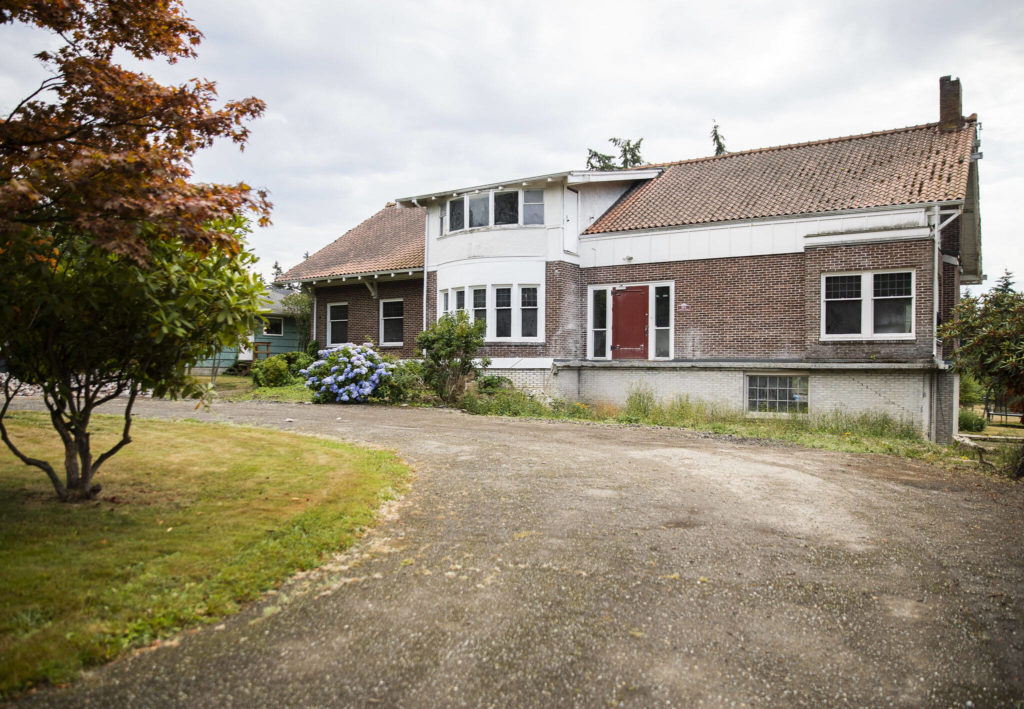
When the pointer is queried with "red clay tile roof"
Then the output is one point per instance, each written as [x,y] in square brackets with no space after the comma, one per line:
[390,240]
[895,167]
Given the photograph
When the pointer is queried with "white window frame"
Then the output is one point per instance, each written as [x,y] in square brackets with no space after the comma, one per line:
[651,329]
[471,301]
[330,329]
[521,196]
[380,311]
[769,414]
[279,319]
[867,305]
[491,318]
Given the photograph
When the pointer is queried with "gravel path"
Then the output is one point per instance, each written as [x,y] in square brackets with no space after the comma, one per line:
[539,563]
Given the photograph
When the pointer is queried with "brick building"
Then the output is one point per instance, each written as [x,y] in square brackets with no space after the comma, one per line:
[795,279]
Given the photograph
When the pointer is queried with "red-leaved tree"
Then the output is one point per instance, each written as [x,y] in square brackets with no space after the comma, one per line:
[106,152]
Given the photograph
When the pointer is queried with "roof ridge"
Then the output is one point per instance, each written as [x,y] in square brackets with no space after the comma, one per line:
[788,146]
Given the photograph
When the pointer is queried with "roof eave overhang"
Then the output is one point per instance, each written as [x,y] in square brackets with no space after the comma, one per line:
[774,217]
[570,177]
[395,273]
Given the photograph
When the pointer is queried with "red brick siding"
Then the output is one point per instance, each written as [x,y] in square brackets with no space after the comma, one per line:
[364,311]
[740,308]
[912,255]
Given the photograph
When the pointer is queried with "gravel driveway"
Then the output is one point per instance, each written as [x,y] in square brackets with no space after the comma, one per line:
[538,563]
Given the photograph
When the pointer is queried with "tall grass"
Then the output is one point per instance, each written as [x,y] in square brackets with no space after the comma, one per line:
[865,432]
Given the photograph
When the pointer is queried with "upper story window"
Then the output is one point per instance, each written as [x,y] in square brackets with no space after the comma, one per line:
[858,306]
[496,208]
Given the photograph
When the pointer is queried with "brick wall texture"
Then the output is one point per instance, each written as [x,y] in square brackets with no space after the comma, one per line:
[364,312]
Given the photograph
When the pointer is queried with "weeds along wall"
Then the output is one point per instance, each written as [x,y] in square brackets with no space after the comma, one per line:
[909,395]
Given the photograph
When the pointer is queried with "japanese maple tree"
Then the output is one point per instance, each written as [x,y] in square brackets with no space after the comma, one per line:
[117,271]
[103,150]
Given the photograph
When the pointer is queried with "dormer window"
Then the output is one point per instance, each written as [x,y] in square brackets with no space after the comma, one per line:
[496,208]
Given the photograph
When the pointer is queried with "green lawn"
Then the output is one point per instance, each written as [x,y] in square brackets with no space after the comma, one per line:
[232,387]
[194,518]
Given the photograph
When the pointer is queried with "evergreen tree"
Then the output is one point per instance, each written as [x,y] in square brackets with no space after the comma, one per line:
[717,139]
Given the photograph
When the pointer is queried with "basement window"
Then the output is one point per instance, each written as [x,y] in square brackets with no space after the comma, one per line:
[772,394]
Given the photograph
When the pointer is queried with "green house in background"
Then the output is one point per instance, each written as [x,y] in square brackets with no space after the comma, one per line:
[279,335]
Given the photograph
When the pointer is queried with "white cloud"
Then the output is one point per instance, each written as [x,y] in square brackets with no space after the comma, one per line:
[371,101]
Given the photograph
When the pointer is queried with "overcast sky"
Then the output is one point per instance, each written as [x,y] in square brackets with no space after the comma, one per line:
[369,101]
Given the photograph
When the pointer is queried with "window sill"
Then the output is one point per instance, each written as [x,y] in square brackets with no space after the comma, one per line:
[495,227]
[868,338]
[390,344]
[513,342]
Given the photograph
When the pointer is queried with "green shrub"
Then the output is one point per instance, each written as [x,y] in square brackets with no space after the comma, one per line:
[272,372]
[506,402]
[971,391]
[492,384]
[313,349]
[449,347]
[297,361]
[404,384]
[971,421]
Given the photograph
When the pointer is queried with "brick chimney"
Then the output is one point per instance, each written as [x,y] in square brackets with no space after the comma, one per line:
[950,105]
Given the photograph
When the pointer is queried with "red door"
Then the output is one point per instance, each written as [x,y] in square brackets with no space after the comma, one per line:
[629,322]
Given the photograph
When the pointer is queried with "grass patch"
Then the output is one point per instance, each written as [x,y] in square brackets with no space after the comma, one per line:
[837,430]
[195,519]
[234,387]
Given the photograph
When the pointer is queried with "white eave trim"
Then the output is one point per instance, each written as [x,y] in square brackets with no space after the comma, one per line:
[756,220]
[572,177]
[391,272]
[581,177]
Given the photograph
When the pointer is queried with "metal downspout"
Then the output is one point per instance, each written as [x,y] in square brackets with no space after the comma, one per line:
[426,253]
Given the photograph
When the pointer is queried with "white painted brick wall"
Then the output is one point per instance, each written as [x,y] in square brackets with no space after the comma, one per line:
[902,394]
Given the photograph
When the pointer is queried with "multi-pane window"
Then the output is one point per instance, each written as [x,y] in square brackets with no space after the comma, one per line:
[479,211]
[337,323]
[391,322]
[662,321]
[513,312]
[894,302]
[480,304]
[528,311]
[868,305]
[274,327]
[599,322]
[777,394]
[842,305]
[504,208]
[456,214]
[533,206]
[503,312]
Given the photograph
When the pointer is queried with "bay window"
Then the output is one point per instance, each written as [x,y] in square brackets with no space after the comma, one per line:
[496,208]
